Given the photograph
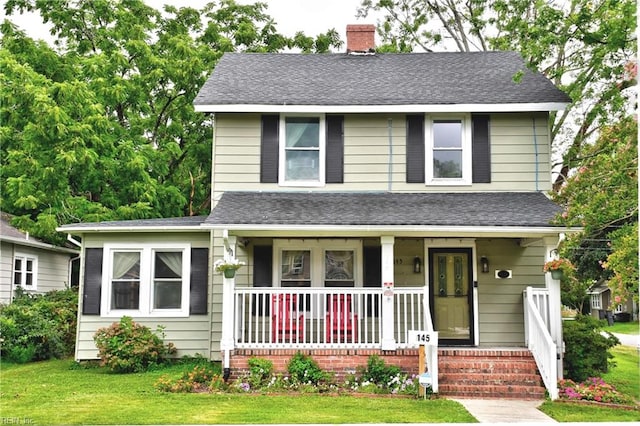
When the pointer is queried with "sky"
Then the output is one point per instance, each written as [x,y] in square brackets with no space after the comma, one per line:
[311,16]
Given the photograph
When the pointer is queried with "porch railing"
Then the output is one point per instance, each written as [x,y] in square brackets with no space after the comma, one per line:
[538,338]
[299,317]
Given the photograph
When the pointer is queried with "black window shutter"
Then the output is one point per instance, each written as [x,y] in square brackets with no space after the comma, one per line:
[335,149]
[481,150]
[372,276]
[262,277]
[269,149]
[92,281]
[415,148]
[199,281]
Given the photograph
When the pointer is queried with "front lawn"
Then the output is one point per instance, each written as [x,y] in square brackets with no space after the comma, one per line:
[631,327]
[59,392]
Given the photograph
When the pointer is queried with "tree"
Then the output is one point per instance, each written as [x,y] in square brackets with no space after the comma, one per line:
[102,127]
[602,198]
[584,47]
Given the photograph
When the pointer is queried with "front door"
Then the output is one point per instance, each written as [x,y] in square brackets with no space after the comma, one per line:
[450,281]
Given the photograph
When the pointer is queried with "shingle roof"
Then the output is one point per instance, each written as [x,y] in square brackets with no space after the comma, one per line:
[530,209]
[442,78]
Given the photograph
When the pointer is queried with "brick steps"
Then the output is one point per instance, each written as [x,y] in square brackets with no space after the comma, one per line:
[477,373]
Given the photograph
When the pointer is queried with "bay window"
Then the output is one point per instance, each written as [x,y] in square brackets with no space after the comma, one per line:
[146,280]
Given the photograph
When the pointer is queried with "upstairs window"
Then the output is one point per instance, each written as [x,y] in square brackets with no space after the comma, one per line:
[448,153]
[25,271]
[302,145]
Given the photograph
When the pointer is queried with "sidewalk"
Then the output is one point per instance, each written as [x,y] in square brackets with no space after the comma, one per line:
[505,410]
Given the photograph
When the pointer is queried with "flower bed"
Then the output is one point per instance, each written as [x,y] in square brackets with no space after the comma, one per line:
[593,389]
[304,377]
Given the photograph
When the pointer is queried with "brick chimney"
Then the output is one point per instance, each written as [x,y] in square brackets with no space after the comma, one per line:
[361,38]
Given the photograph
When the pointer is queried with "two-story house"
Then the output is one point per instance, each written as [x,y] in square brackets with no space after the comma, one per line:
[369,195]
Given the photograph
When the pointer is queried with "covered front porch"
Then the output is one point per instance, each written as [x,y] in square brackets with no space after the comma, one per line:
[361,282]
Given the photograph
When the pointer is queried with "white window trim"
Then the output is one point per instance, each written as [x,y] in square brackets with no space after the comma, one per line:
[282,153]
[24,257]
[466,150]
[596,301]
[145,309]
[317,249]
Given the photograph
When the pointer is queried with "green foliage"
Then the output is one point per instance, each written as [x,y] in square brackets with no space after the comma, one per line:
[378,377]
[602,198]
[39,327]
[587,349]
[127,346]
[260,371]
[304,369]
[103,127]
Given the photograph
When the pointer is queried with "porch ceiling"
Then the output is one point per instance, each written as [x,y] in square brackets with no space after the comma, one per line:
[439,214]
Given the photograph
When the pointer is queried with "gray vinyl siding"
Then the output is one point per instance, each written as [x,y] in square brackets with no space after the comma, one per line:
[52,269]
[375,152]
[6,265]
[500,301]
[190,334]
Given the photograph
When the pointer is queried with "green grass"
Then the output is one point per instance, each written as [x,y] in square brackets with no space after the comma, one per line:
[625,376]
[632,327]
[53,392]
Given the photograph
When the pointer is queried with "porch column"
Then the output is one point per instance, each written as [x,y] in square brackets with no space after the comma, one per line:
[228,289]
[388,339]
[555,304]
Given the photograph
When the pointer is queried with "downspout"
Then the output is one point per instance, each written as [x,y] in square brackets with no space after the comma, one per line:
[390,136]
[535,148]
[213,156]
[73,259]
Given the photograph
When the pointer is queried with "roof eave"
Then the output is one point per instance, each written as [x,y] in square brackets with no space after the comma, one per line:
[345,109]
[38,244]
[427,231]
[79,230]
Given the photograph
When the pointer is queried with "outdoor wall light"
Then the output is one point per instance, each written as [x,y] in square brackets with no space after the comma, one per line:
[417,265]
[485,264]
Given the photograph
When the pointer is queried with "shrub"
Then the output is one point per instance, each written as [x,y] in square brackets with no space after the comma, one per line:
[586,348]
[303,369]
[128,347]
[378,377]
[39,327]
[260,371]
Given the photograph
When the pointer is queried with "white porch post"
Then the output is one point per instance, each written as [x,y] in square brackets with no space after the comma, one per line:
[555,304]
[228,290]
[388,339]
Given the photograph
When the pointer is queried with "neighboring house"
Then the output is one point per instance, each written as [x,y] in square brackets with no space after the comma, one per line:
[31,264]
[369,195]
[601,304]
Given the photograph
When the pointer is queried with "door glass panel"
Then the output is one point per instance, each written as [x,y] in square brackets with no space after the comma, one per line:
[451,301]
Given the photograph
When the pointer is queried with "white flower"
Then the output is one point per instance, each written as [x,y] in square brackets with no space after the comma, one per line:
[221,265]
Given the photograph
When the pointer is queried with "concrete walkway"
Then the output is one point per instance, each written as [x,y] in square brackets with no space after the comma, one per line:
[505,410]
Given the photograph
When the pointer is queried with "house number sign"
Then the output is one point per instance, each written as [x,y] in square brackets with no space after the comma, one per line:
[419,337]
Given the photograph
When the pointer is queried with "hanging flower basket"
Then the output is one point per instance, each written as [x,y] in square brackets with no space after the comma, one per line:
[227,267]
[557,274]
[558,267]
